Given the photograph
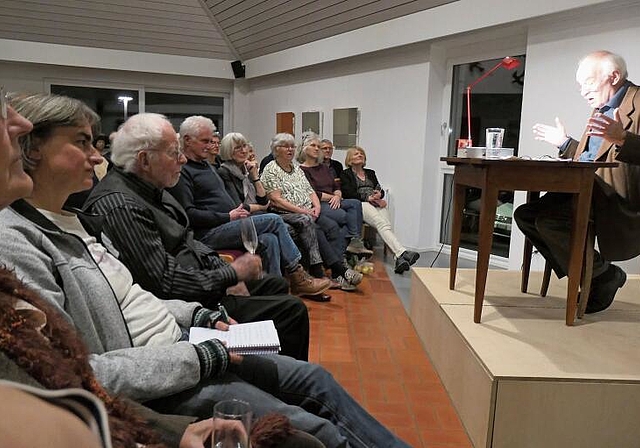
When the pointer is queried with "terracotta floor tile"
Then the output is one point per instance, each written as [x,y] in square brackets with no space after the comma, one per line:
[367,342]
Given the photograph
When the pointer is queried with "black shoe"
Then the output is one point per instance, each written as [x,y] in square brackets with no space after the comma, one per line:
[410,256]
[604,288]
[317,297]
[402,265]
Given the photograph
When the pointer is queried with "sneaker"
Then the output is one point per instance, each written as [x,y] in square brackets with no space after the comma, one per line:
[410,256]
[356,246]
[303,284]
[353,277]
[343,284]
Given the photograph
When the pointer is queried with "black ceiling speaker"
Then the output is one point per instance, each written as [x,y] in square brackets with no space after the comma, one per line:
[238,69]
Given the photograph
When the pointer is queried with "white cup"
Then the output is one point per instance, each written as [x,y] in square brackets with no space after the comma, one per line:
[494,142]
[231,424]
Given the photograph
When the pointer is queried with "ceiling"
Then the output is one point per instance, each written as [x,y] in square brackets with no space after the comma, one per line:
[214,29]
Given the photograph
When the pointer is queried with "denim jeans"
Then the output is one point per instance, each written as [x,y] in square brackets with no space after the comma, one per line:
[348,216]
[273,236]
[306,393]
[335,235]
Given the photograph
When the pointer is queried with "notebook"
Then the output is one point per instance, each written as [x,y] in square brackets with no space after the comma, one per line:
[253,338]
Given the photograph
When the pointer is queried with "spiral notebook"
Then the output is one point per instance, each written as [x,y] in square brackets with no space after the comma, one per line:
[253,338]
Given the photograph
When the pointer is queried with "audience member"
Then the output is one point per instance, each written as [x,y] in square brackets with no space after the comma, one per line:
[243,183]
[148,228]
[358,182]
[611,135]
[172,377]
[215,217]
[290,192]
[38,348]
[214,150]
[347,213]
[327,151]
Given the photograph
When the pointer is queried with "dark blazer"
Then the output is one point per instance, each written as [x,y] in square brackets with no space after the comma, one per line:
[349,185]
[616,192]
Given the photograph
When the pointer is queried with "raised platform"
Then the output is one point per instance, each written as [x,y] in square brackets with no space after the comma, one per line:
[522,378]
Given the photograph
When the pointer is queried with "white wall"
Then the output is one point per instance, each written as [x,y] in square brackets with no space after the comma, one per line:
[391,92]
[553,51]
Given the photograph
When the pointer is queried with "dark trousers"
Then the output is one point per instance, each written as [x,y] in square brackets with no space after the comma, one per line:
[269,300]
[547,223]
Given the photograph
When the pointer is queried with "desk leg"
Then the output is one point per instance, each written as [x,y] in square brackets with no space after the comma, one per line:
[485,238]
[459,193]
[581,207]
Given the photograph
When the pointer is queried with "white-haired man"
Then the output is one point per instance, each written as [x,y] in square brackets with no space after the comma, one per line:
[216,218]
[149,230]
[612,134]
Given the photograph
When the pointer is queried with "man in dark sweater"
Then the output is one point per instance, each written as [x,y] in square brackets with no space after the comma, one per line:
[215,218]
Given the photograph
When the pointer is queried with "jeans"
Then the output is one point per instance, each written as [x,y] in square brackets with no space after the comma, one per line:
[335,235]
[273,236]
[348,216]
[379,218]
[306,393]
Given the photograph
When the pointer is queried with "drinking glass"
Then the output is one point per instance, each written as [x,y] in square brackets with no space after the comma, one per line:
[231,424]
[249,235]
[494,142]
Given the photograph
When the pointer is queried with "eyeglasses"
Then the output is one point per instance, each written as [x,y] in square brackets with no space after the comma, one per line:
[287,146]
[174,154]
[4,101]
[240,147]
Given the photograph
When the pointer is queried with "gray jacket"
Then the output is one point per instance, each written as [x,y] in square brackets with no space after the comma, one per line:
[60,268]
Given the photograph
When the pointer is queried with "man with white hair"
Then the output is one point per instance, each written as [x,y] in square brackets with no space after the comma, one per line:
[216,218]
[611,135]
[148,229]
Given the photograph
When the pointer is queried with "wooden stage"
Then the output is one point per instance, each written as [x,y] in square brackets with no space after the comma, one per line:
[522,378]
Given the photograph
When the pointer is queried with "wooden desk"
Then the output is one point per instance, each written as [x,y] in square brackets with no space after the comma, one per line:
[493,176]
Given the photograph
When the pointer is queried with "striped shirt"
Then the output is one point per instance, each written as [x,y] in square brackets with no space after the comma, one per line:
[149,230]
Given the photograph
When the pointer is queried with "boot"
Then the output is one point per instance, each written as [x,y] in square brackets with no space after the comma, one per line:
[303,284]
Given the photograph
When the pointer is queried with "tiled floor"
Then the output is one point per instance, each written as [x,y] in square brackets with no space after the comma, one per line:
[367,341]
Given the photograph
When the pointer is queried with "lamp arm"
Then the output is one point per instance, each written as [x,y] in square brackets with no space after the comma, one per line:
[468,91]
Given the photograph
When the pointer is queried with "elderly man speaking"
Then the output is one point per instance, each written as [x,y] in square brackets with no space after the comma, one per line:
[611,135]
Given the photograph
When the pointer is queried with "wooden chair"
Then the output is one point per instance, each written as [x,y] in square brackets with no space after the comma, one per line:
[369,236]
[585,279]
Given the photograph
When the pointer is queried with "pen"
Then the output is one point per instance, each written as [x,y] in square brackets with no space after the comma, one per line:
[223,312]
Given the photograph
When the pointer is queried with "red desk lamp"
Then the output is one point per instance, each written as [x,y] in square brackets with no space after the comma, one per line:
[509,63]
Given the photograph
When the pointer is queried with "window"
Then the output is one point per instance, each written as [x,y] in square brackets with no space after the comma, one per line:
[105,102]
[495,102]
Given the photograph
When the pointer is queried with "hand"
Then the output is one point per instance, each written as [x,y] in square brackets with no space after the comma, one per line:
[221,325]
[252,168]
[334,202]
[238,213]
[555,135]
[234,358]
[315,212]
[196,434]
[248,267]
[610,129]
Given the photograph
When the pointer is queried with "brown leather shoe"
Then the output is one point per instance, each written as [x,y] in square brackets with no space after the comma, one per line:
[303,284]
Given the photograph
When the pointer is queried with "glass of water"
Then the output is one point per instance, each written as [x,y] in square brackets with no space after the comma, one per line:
[494,142]
[249,235]
[231,424]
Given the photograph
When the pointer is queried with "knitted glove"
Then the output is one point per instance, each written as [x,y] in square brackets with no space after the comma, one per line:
[213,357]
[204,317]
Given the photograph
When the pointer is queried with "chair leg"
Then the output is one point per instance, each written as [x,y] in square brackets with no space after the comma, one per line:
[546,278]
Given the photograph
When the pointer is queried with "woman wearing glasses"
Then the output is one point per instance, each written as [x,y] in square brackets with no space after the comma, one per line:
[289,191]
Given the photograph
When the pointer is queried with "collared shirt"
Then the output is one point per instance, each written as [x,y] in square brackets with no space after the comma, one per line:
[594,143]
